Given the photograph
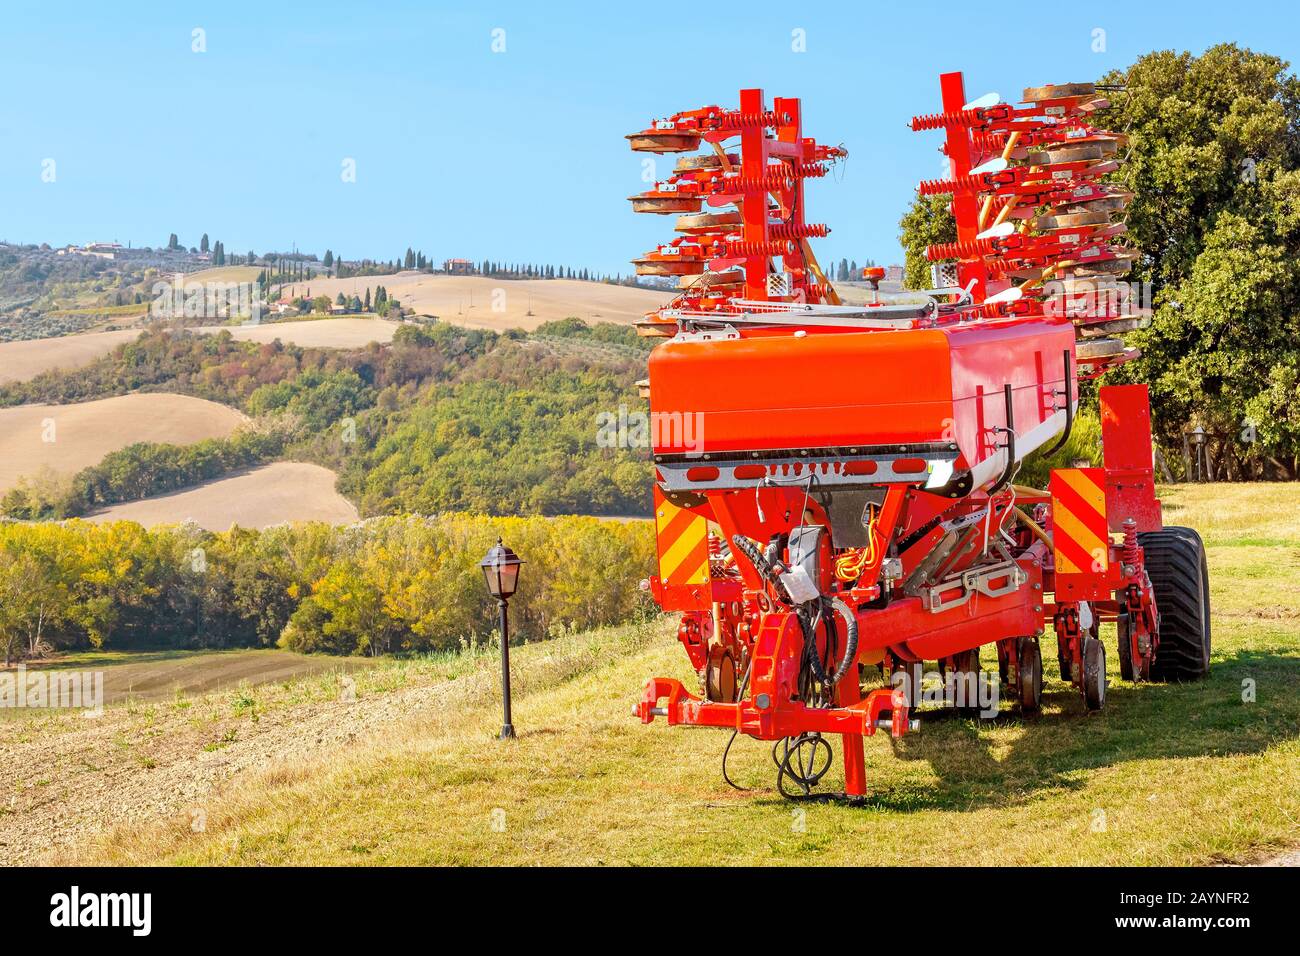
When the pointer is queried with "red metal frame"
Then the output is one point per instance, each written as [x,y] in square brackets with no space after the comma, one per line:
[921,421]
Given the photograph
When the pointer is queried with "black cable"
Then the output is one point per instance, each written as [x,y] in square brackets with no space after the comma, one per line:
[726,750]
[804,777]
[740,695]
[814,659]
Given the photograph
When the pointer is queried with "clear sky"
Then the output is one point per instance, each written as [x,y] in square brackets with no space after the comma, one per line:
[516,155]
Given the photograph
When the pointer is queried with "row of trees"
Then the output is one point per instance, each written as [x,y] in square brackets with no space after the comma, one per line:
[847,270]
[498,270]
[285,269]
[386,585]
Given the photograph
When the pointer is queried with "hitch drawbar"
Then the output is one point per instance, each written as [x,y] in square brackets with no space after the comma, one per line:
[758,718]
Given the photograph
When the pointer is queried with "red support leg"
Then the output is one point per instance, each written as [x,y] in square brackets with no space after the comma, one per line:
[855,760]
[1127,455]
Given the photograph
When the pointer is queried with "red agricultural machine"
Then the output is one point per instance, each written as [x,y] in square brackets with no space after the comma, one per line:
[835,483]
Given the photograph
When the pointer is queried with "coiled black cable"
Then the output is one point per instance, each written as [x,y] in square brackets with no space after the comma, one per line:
[790,766]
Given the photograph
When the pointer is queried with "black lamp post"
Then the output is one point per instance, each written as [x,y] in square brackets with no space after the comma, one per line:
[501,569]
[1198,449]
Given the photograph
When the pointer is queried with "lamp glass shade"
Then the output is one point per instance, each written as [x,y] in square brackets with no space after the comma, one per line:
[501,570]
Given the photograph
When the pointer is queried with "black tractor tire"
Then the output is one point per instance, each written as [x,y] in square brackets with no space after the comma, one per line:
[1094,673]
[1029,660]
[1180,577]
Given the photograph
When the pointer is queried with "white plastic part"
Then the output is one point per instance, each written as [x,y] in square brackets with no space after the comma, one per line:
[988,99]
[998,231]
[995,165]
[799,585]
[1013,294]
[940,473]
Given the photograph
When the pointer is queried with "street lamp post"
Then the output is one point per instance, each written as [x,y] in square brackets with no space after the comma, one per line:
[501,571]
[1198,449]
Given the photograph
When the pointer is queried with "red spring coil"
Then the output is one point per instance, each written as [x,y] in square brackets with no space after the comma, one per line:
[809,170]
[963,250]
[764,183]
[937,187]
[944,120]
[789,230]
[1130,553]
[739,120]
[772,248]
[993,142]
[958,118]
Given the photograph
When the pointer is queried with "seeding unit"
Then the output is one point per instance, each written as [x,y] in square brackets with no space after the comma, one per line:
[835,484]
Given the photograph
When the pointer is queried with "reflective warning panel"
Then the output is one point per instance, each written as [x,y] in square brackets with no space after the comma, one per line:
[682,539]
[1079,532]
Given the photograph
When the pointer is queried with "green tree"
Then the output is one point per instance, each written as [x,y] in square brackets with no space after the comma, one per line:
[1214,166]
[1215,172]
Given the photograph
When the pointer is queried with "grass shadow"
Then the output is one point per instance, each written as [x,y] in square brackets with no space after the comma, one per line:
[1139,722]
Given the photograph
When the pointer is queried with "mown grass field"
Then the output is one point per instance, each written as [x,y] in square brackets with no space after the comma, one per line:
[1188,774]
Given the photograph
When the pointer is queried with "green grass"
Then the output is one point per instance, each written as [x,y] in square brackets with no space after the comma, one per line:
[1187,774]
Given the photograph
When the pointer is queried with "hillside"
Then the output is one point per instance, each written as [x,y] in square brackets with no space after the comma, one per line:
[498,304]
[410,772]
[419,424]
[66,438]
[21,361]
[27,358]
[258,498]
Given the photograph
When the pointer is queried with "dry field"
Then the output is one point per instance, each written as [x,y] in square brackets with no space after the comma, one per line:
[315,333]
[221,274]
[20,361]
[498,303]
[257,498]
[63,439]
[406,769]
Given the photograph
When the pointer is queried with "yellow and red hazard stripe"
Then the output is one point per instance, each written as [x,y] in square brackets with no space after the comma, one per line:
[1080,537]
[682,538]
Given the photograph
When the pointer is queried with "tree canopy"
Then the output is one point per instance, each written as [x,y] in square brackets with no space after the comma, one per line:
[1214,165]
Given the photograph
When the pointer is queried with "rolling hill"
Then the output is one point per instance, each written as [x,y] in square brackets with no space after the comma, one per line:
[486,303]
[271,494]
[66,438]
[20,361]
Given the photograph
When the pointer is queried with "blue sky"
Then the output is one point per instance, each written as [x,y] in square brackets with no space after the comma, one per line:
[515,156]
